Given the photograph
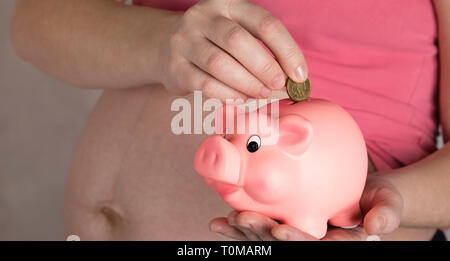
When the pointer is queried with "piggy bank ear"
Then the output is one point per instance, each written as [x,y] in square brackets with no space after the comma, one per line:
[225,118]
[295,134]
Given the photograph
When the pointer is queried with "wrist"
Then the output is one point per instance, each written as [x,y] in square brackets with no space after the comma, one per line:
[152,52]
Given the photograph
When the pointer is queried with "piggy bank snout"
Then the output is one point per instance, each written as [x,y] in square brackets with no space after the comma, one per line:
[218,159]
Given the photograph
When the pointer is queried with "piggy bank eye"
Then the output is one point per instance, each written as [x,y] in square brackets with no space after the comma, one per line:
[253,143]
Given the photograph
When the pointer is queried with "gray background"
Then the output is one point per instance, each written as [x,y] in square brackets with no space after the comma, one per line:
[40,122]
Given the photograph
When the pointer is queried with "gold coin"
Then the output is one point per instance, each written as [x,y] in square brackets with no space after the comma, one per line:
[298,91]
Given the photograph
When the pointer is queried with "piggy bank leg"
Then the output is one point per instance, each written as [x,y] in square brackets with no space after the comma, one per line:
[348,218]
[316,227]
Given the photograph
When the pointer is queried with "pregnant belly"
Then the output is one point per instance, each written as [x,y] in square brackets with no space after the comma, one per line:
[132,179]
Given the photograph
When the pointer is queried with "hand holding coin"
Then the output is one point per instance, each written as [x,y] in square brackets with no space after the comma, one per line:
[215,47]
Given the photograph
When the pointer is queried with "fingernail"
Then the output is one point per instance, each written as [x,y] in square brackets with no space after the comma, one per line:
[216,228]
[245,225]
[381,223]
[265,92]
[279,82]
[282,235]
[301,74]
[373,238]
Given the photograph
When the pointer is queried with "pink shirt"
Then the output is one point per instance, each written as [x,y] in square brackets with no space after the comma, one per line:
[378,59]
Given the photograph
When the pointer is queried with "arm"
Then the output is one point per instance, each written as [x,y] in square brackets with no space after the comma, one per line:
[91,43]
[425,185]
[211,47]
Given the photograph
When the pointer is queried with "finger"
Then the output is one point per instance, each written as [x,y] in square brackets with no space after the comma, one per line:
[383,211]
[259,224]
[234,39]
[232,220]
[340,234]
[269,29]
[288,233]
[224,68]
[220,225]
[196,79]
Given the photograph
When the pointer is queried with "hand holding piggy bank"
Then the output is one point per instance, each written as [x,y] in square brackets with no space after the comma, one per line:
[307,170]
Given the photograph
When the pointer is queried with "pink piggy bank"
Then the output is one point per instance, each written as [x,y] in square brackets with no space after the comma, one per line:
[312,173]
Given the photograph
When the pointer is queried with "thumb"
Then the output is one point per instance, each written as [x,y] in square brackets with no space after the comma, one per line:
[385,214]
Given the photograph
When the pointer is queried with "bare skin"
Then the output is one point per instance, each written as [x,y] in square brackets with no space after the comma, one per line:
[141,175]
[131,178]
